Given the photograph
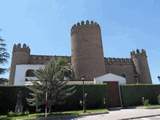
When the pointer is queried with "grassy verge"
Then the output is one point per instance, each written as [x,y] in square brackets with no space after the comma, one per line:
[55,114]
[88,112]
[23,117]
[150,107]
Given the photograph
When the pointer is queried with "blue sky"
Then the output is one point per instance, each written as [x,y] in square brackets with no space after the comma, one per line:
[45,26]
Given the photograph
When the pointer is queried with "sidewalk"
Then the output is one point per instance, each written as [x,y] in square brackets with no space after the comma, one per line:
[123,114]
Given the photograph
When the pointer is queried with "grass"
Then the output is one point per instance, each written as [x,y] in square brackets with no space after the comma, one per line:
[88,112]
[24,117]
[150,107]
[55,114]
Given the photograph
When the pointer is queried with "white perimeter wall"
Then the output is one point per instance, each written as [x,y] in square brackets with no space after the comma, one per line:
[21,71]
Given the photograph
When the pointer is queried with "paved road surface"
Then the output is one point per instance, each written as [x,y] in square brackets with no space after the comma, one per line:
[123,114]
[149,118]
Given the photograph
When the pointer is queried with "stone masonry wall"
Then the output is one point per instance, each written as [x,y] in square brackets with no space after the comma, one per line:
[123,67]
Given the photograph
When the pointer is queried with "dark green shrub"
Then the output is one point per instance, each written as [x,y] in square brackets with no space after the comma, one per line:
[8,98]
[132,94]
[26,112]
[96,94]
[95,97]
[146,102]
[13,114]
[158,99]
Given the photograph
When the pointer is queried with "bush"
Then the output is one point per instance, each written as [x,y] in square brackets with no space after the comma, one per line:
[132,94]
[26,112]
[158,99]
[8,98]
[95,97]
[146,102]
[13,114]
[10,114]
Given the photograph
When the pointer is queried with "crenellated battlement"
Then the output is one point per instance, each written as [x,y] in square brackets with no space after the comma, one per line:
[83,24]
[41,59]
[118,60]
[138,52]
[20,47]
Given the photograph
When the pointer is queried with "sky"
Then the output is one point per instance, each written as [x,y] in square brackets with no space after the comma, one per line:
[45,26]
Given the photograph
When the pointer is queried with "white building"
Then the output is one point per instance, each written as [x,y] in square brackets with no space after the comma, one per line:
[25,74]
[110,77]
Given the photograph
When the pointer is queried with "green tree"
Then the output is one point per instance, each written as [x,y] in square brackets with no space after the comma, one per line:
[4,55]
[52,79]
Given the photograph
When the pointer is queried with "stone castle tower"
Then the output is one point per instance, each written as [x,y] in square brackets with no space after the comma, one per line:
[20,55]
[88,60]
[87,50]
[139,59]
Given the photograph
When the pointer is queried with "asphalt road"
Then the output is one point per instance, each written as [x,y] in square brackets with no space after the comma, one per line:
[149,118]
[123,114]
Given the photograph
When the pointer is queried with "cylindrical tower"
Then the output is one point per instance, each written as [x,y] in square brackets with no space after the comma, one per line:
[139,59]
[87,51]
[20,55]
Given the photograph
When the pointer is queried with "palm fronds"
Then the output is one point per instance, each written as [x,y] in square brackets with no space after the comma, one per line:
[51,80]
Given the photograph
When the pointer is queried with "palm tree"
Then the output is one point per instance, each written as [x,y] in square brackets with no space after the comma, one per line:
[4,55]
[51,80]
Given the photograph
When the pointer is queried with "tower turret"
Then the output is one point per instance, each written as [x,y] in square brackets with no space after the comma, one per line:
[87,50]
[20,55]
[139,58]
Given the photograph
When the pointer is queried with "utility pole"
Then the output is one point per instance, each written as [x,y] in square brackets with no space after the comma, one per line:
[46,101]
[84,95]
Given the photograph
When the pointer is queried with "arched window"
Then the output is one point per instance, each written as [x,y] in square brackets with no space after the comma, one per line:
[30,73]
[123,75]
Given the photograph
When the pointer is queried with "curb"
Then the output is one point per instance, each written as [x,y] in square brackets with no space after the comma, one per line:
[75,116]
[93,114]
[140,117]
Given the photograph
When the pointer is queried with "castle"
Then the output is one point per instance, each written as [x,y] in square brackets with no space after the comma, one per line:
[87,59]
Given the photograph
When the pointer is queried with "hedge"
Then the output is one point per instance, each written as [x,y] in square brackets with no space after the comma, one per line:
[95,98]
[8,98]
[132,94]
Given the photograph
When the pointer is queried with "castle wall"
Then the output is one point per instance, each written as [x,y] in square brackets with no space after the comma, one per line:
[43,59]
[39,59]
[21,56]
[123,67]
